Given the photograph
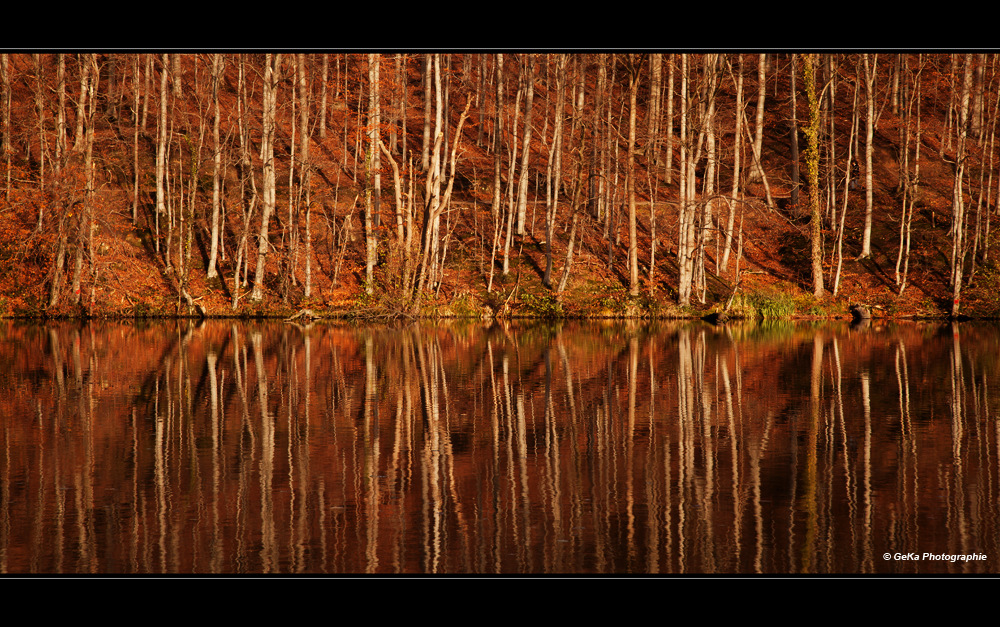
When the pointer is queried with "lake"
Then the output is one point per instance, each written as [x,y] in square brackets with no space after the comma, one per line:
[520,448]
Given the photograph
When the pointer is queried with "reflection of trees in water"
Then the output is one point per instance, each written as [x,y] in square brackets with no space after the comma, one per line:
[675,447]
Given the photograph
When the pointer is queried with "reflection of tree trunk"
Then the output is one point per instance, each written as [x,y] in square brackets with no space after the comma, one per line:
[866,541]
[266,469]
[810,489]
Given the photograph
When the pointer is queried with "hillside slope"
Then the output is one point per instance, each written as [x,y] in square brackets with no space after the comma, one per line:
[156,264]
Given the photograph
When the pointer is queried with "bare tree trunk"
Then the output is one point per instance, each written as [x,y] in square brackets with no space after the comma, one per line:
[812,161]
[976,115]
[866,241]
[323,91]
[148,58]
[990,168]
[958,226]
[635,62]
[758,142]
[550,217]
[528,76]
[653,111]
[425,155]
[595,180]
[55,288]
[737,153]
[272,63]
[85,239]
[511,168]
[568,264]
[5,147]
[217,166]
[305,167]
[398,188]
[498,138]
[794,132]
[495,206]
[135,140]
[403,99]
[847,187]
[176,73]
[81,104]
[371,176]
[910,182]
[437,202]
[685,235]
[432,206]
[248,186]
[670,122]
[707,132]
[40,113]
[831,153]
[161,152]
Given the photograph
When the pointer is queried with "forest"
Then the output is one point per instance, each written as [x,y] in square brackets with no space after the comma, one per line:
[384,185]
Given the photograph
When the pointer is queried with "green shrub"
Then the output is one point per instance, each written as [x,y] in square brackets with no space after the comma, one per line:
[767,305]
[542,306]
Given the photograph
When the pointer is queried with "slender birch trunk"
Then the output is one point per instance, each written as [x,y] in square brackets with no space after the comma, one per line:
[633,244]
[958,226]
[161,151]
[217,166]
[557,139]
[528,76]
[737,153]
[866,241]
[271,65]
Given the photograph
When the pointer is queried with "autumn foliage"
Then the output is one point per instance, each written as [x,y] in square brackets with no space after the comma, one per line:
[404,203]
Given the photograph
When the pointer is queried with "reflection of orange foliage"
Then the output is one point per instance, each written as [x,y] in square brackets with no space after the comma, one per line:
[524,451]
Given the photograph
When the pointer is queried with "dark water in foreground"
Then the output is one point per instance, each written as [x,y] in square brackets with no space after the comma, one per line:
[233,447]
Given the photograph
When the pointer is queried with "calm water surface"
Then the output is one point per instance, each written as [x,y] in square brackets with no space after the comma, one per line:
[232,447]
